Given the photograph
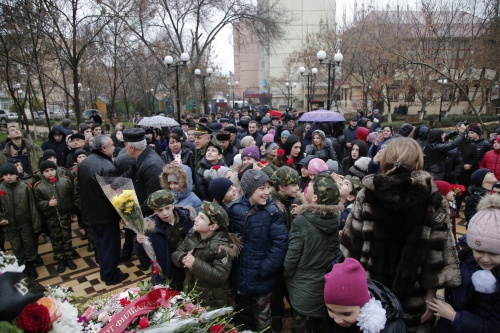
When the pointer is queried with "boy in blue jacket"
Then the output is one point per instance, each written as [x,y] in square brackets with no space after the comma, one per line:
[260,225]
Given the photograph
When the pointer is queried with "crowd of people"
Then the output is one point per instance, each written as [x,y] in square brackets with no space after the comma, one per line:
[353,225]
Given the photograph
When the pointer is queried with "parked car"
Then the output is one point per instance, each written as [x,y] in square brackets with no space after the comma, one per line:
[8,117]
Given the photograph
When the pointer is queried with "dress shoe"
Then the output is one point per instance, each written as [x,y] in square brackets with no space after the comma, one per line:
[124,258]
[123,277]
[83,237]
[60,266]
[277,324]
[90,248]
[70,264]
[38,261]
[30,270]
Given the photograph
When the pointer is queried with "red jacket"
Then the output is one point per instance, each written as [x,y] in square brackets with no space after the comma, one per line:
[491,161]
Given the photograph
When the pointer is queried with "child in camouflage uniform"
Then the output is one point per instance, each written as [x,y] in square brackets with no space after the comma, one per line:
[49,155]
[167,229]
[19,217]
[54,198]
[207,254]
[24,176]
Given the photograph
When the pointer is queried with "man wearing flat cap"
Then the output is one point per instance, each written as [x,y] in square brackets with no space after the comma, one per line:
[202,135]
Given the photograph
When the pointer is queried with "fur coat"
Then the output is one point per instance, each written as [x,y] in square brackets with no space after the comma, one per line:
[400,231]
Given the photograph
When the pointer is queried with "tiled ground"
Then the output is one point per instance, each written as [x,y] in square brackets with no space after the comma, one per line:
[84,281]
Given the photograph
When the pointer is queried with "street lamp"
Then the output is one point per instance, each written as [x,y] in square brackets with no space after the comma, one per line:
[152,101]
[236,83]
[337,60]
[290,95]
[443,82]
[310,78]
[197,72]
[169,62]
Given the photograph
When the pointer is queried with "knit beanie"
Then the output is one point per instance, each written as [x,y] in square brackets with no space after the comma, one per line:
[285,176]
[356,184]
[405,129]
[332,165]
[270,146]
[443,187]
[477,177]
[160,198]
[360,167]
[287,146]
[80,152]
[8,168]
[46,165]
[346,284]
[483,233]
[317,165]
[268,138]
[215,213]
[285,134]
[218,188]
[252,151]
[475,128]
[326,189]
[217,171]
[48,153]
[251,180]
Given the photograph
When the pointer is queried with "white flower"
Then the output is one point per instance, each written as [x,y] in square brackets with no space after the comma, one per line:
[94,327]
[371,318]
[68,322]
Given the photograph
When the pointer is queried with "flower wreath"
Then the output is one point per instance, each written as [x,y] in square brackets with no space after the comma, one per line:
[372,317]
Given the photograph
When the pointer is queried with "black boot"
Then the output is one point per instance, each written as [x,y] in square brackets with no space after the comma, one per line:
[31,270]
[38,261]
[70,264]
[60,266]
[90,248]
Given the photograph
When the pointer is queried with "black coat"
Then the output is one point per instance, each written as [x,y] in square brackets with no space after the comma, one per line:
[469,156]
[96,208]
[482,146]
[58,147]
[435,156]
[453,166]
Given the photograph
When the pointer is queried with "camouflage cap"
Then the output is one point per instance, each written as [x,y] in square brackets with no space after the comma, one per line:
[215,213]
[160,198]
[215,143]
[356,184]
[326,189]
[285,176]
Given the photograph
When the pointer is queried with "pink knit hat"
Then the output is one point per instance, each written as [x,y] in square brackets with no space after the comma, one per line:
[346,284]
[268,138]
[317,165]
[483,233]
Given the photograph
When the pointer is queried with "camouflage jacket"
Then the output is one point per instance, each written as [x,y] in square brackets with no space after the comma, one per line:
[18,205]
[63,191]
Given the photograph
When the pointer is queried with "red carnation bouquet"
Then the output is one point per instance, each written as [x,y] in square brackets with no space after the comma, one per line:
[458,189]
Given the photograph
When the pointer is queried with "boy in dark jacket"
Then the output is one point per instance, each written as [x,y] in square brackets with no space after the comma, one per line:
[207,254]
[49,155]
[349,188]
[257,220]
[19,217]
[54,199]
[166,229]
[213,158]
[482,182]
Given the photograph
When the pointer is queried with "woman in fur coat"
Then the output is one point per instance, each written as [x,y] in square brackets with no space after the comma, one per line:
[399,230]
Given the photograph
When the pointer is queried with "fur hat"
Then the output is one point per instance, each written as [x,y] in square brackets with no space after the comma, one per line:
[215,213]
[251,180]
[326,189]
[483,233]
[285,176]
[223,136]
[477,177]
[317,165]
[218,188]
[8,168]
[251,151]
[443,187]
[346,284]
[48,153]
[475,128]
[46,165]
[360,167]
[160,198]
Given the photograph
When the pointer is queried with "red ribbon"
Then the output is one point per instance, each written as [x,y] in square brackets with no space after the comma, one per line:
[149,302]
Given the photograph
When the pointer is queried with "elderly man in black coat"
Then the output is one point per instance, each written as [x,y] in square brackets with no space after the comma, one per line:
[98,212]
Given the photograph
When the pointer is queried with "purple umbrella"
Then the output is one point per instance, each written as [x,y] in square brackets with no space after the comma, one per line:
[321,116]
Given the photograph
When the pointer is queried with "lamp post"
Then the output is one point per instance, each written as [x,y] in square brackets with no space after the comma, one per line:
[169,62]
[236,83]
[152,91]
[443,82]
[337,60]
[310,78]
[197,72]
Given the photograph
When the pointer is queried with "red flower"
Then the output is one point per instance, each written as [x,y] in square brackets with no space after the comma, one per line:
[217,328]
[457,188]
[281,152]
[289,161]
[52,180]
[216,167]
[2,193]
[34,318]
[124,301]
[143,323]
[155,268]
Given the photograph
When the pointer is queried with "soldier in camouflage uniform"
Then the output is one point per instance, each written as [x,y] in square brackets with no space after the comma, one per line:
[19,217]
[167,229]
[54,199]
[207,255]
[285,195]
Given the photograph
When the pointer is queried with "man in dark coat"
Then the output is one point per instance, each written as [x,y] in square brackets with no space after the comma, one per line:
[56,142]
[98,212]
